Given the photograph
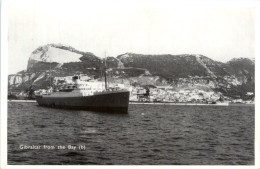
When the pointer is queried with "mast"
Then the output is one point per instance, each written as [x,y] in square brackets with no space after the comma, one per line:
[105,72]
[50,78]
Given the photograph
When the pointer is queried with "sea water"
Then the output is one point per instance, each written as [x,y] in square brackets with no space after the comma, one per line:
[148,134]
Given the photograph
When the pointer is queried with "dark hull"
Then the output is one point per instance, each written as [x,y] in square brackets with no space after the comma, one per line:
[116,102]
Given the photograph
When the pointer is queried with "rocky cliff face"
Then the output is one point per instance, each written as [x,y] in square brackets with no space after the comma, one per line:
[235,77]
[54,60]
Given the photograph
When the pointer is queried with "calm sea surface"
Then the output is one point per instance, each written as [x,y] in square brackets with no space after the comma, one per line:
[148,134]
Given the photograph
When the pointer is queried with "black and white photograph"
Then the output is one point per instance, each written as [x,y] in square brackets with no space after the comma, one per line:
[129,83]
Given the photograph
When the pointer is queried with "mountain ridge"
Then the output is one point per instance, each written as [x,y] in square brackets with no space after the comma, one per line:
[53,60]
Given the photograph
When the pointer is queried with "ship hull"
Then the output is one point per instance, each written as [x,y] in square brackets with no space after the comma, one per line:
[116,102]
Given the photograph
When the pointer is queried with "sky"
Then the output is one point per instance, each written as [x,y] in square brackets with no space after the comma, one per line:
[114,27]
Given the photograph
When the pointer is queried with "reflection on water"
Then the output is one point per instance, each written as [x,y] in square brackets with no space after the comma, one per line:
[148,134]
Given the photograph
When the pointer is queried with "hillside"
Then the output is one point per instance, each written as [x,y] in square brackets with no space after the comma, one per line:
[233,78]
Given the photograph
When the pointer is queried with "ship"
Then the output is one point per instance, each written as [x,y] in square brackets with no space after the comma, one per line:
[86,95]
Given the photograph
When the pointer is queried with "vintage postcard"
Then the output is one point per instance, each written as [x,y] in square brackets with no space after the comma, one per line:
[136,83]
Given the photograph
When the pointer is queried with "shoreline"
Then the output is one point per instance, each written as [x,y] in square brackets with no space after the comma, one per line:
[159,103]
[21,101]
[178,104]
[193,104]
